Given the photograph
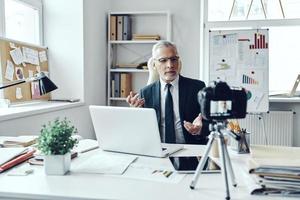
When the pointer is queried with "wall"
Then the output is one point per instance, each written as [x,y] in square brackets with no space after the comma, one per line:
[75,32]
[185,25]
[63,35]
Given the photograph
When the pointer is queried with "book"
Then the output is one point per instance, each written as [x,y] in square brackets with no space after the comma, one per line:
[121,65]
[19,141]
[17,160]
[86,145]
[125,84]
[119,27]
[7,154]
[113,27]
[145,37]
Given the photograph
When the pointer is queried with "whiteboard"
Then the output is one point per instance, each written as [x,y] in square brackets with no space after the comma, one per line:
[241,58]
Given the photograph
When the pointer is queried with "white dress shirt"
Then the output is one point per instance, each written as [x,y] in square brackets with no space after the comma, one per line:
[177,122]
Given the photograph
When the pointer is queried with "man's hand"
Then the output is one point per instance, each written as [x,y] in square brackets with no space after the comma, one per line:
[134,100]
[195,127]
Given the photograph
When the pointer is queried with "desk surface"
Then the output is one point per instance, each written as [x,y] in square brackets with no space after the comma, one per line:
[96,186]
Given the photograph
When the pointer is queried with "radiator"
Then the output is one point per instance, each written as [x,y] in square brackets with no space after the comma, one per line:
[278,127]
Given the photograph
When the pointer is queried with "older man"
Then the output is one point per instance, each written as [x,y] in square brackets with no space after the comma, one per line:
[174,99]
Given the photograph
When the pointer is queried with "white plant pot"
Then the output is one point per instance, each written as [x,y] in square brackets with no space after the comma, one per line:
[57,164]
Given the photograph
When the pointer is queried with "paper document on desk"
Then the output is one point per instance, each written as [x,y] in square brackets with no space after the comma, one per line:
[105,163]
[143,172]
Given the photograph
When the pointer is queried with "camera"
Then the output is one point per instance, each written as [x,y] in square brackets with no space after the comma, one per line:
[220,102]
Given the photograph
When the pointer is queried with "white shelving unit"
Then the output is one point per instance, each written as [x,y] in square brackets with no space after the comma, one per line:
[134,51]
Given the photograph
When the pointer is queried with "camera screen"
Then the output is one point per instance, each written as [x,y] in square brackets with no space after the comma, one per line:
[220,108]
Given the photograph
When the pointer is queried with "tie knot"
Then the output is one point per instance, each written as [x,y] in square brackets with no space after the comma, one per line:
[169,85]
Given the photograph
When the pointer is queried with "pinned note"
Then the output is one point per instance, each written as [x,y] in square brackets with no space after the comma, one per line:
[19,93]
[38,69]
[19,73]
[43,56]
[35,90]
[17,56]
[30,73]
[12,45]
[31,56]
[9,73]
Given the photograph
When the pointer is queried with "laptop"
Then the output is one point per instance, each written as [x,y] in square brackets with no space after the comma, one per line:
[292,93]
[129,130]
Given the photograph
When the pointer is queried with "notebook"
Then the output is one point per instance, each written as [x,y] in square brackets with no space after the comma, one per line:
[129,130]
[292,93]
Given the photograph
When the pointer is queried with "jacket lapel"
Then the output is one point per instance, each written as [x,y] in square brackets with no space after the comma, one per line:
[182,93]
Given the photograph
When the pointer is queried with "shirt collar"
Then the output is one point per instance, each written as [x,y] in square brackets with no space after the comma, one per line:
[174,83]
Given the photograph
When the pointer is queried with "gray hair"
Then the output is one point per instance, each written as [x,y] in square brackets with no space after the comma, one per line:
[163,43]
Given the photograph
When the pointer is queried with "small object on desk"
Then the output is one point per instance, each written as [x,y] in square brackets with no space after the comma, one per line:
[70,100]
[168,173]
[21,171]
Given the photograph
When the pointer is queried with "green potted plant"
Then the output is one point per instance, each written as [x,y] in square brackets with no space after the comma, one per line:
[56,143]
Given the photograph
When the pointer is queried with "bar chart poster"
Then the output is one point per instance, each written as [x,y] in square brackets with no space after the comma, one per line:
[241,58]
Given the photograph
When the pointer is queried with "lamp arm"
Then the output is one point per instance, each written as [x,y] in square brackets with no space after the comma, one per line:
[17,82]
[12,84]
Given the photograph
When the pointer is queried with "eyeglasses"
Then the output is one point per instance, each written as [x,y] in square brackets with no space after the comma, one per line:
[173,59]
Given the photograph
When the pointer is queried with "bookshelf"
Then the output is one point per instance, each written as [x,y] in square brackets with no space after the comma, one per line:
[126,49]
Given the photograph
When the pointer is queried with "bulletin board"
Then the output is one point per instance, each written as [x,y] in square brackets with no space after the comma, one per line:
[241,58]
[19,61]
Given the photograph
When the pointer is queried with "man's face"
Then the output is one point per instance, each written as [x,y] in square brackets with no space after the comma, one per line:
[166,62]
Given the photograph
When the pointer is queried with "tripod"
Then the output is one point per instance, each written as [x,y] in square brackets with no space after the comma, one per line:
[217,129]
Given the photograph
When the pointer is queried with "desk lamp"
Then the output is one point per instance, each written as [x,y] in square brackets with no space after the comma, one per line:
[45,84]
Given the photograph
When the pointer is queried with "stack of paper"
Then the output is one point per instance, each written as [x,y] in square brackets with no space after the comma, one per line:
[276,169]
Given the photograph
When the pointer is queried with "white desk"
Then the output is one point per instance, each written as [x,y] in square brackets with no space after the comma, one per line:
[96,186]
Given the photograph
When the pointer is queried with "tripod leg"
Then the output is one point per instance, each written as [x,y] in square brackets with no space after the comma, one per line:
[233,180]
[202,161]
[223,161]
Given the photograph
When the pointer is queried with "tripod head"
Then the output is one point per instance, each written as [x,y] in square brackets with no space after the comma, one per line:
[220,127]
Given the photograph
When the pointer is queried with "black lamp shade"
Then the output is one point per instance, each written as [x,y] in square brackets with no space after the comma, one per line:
[46,85]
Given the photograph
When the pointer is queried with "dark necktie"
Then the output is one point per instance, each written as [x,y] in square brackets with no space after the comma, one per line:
[169,117]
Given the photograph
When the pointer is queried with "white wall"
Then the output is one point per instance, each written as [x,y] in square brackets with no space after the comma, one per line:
[185,25]
[63,35]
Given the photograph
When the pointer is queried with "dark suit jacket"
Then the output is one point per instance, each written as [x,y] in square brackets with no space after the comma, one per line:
[189,107]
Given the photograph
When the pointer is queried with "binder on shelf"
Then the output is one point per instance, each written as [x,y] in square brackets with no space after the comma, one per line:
[112,88]
[119,27]
[113,27]
[126,27]
[117,84]
[125,84]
